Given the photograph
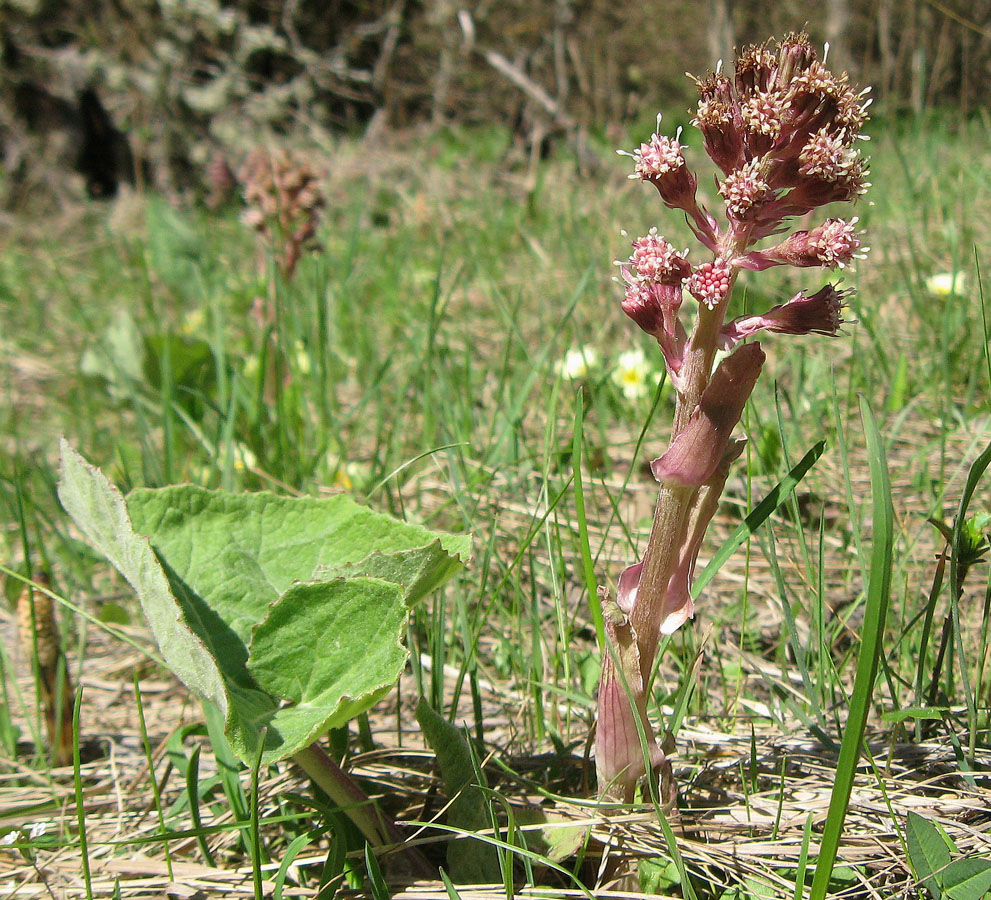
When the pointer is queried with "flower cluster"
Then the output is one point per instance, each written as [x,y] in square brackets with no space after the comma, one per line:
[784,133]
[284,202]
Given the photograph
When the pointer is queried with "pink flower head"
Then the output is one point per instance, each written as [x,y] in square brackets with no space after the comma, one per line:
[764,116]
[719,120]
[658,157]
[710,282]
[755,69]
[654,259]
[820,313]
[795,55]
[834,243]
[828,157]
[660,162]
[813,192]
[745,191]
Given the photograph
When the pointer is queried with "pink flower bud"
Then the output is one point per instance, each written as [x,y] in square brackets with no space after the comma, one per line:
[642,304]
[710,282]
[820,313]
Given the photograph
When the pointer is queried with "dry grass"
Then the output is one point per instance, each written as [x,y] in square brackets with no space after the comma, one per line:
[740,817]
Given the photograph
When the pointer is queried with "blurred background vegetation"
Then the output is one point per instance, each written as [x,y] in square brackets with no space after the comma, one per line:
[168,93]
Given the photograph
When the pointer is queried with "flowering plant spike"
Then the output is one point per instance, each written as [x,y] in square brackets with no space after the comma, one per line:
[784,132]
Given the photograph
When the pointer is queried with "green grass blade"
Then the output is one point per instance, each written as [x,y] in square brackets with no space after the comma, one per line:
[587,568]
[193,794]
[292,851]
[875,612]
[256,852]
[380,890]
[229,769]
[452,891]
[803,858]
[80,805]
[778,494]
[149,758]
[974,476]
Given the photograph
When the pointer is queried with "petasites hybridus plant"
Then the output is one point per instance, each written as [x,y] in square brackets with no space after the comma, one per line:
[784,133]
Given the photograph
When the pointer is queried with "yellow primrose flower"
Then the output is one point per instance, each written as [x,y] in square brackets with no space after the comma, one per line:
[632,373]
[193,322]
[578,362]
[943,284]
[244,458]
[303,364]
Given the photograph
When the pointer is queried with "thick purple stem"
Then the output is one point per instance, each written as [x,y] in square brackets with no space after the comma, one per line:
[668,554]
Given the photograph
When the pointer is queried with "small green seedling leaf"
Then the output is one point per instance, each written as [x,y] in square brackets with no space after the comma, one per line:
[470,861]
[557,837]
[967,879]
[658,875]
[895,716]
[928,853]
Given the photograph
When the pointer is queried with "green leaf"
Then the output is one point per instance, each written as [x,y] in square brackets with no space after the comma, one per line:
[119,356]
[344,641]
[227,583]
[658,875]
[869,655]
[418,571]
[98,510]
[928,853]
[967,879]
[551,834]
[470,861]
